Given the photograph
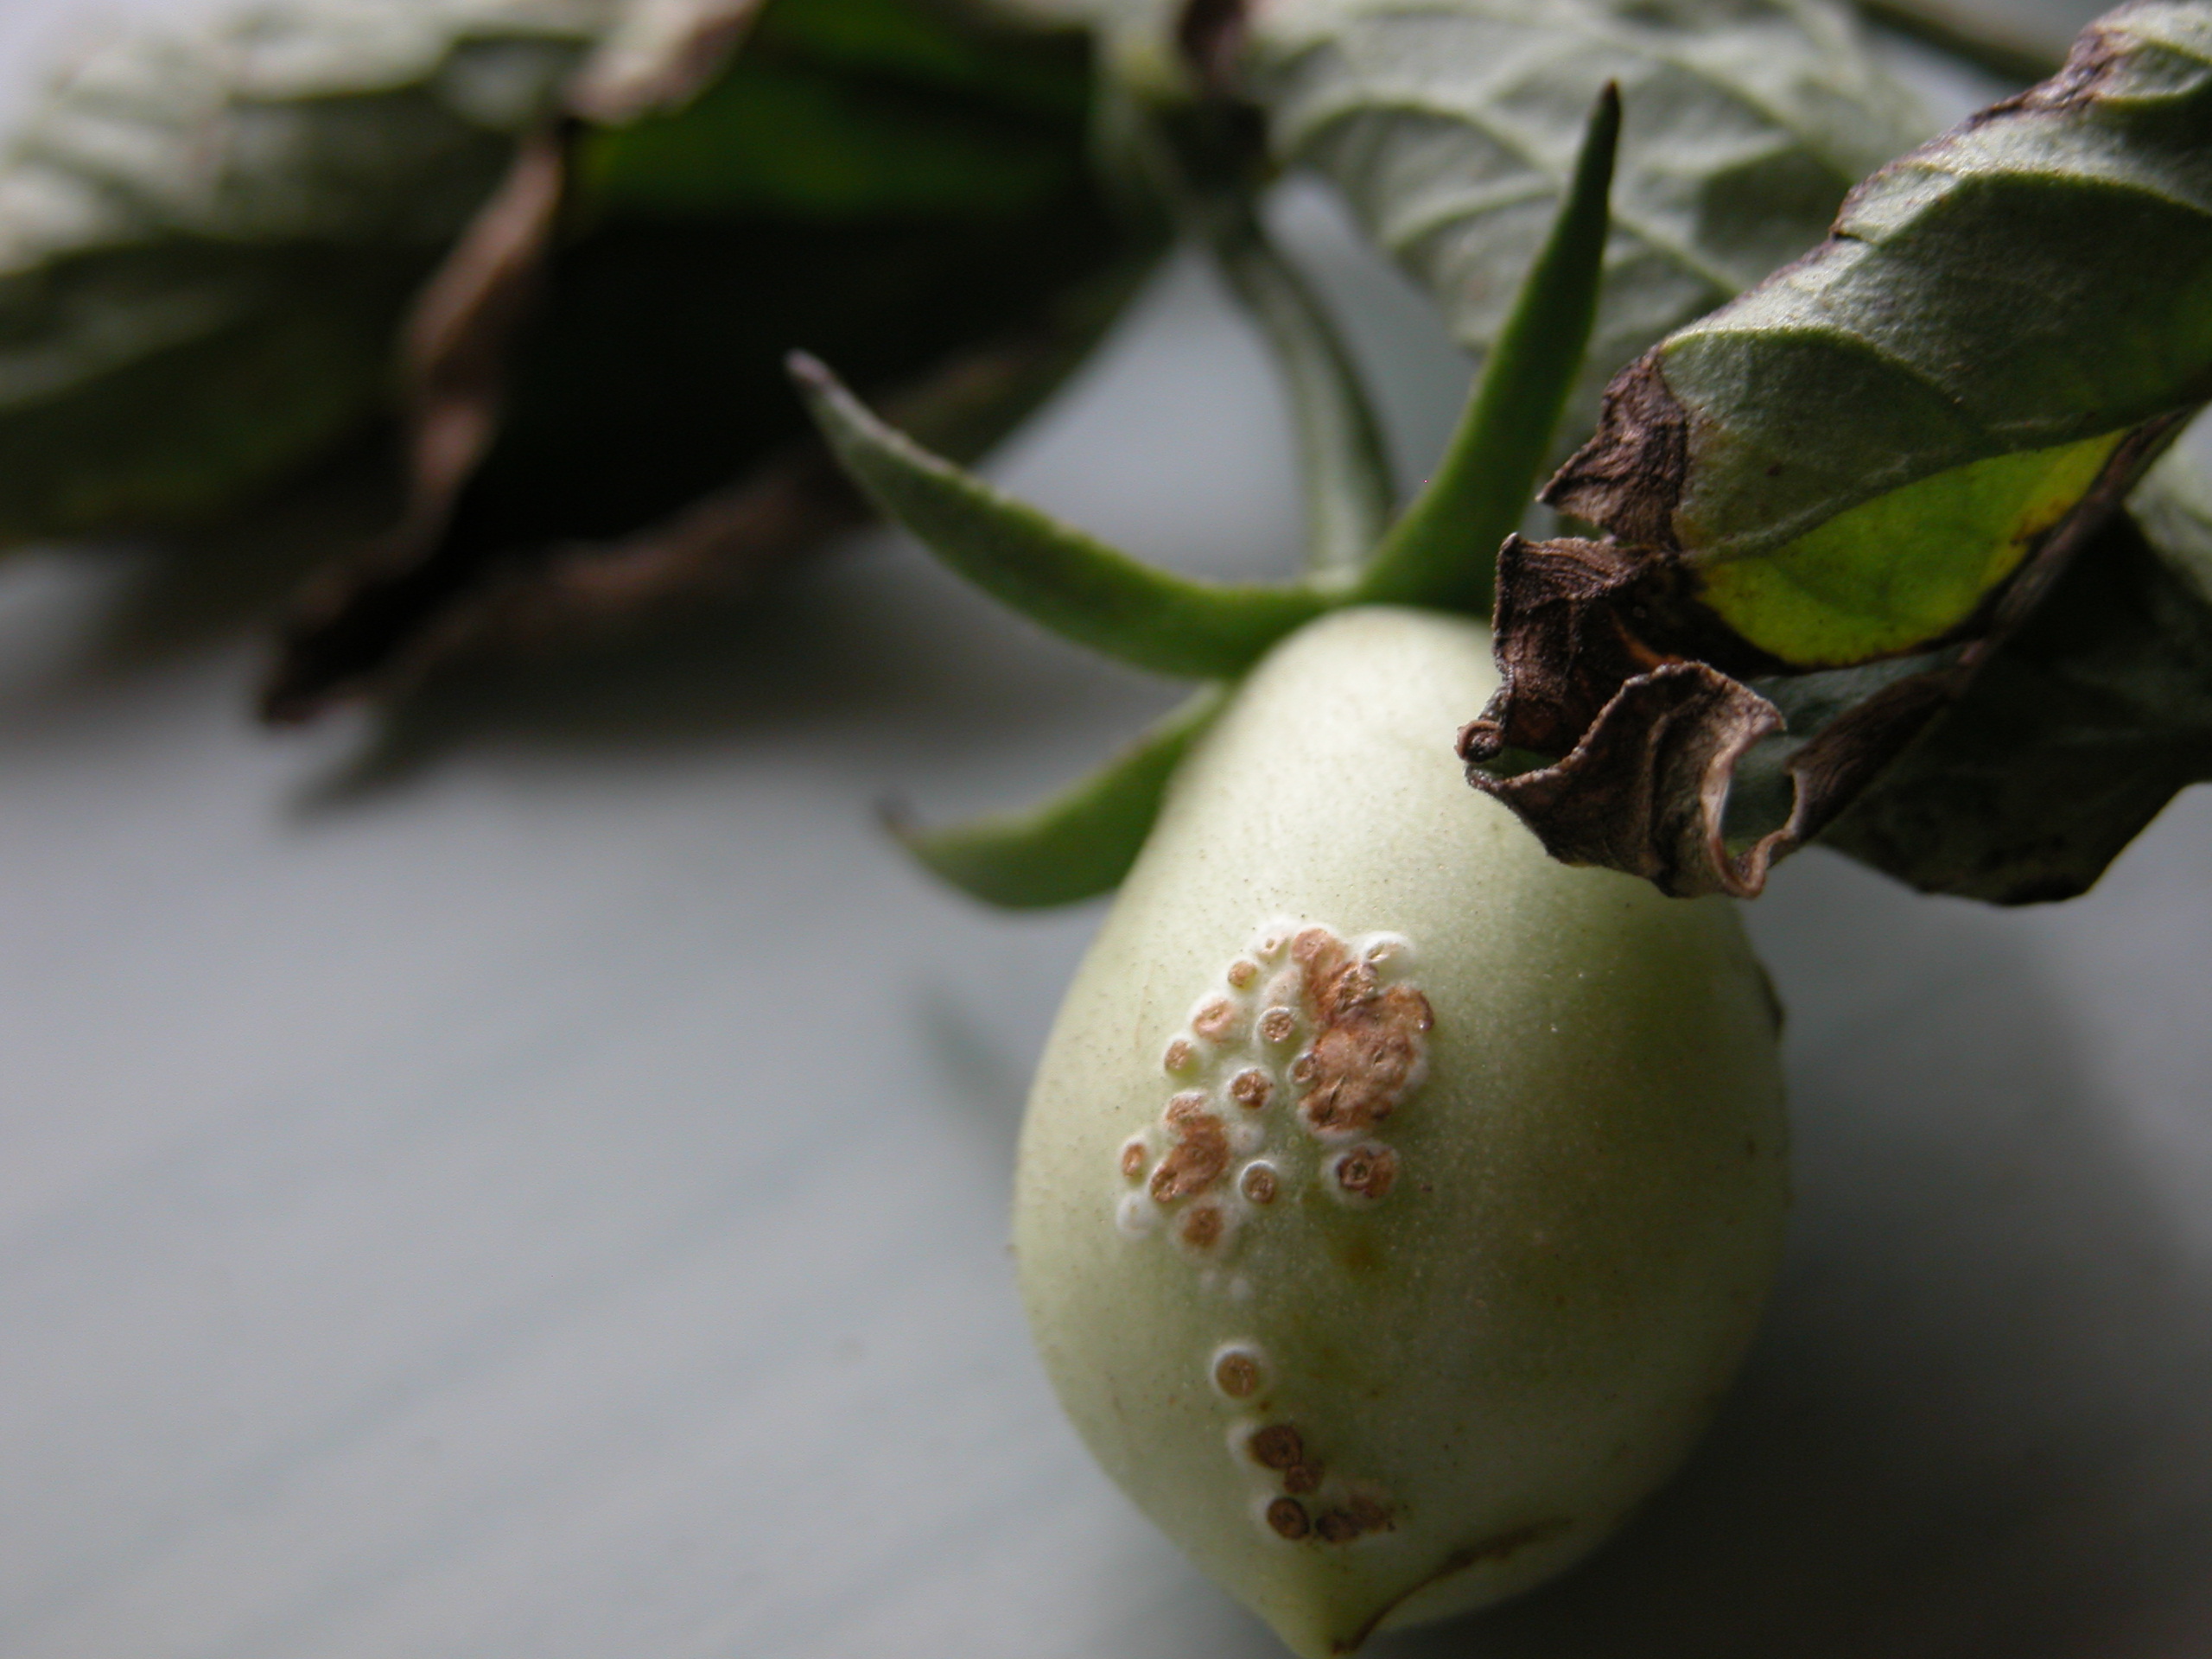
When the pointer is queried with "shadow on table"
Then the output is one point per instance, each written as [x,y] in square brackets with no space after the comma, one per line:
[857,652]
[1978,1419]
[866,636]
[192,590]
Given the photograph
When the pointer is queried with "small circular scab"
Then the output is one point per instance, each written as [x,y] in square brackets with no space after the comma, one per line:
[1371,1513]
[1250,1088]
[1236,1373]
[1311,942]
[1286,1515]
[1242,973]
[1304,1068]
[1180,1055]
[1278,1445]
[1202,1226]
[1336,1527]
[1366,1171]
[1186,1108]
[1217,1020]
[1279,1025]
[1259,1183]
[1301,1478]
[1134,1153]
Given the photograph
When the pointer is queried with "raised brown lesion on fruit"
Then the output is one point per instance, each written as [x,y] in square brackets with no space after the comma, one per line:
[1277,1447]
[1199,1155]
[1236,1374]
[1217,1021]
[1372,1514]
[1337,1527]
[1370,1045]
[1203,1225]
[1344,1515]
[1287,1516]
[1366,1171]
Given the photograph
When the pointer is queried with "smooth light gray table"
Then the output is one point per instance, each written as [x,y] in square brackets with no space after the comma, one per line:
[529,1182]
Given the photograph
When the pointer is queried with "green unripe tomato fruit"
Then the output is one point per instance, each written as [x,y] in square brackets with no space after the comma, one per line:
[1394,1202]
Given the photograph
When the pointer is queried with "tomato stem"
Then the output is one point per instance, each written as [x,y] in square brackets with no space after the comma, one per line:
[1443,552]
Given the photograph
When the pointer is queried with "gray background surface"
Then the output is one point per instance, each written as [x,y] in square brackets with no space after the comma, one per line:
[528,1182]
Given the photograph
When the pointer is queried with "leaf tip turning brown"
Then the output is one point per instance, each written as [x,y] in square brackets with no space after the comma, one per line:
[1629,476]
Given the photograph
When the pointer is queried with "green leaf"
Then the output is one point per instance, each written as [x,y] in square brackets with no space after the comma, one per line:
[1052,573]
[1440,552]
[771,138]
[641,442]
[207,243]
[1079,843]
[2071,738]
[839,109]
[2038,278]
[1908,566]
[1451,127]
[1839,505]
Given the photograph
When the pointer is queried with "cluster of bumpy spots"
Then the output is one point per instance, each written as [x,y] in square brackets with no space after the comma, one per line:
[1369,1048]
[1278,1083]
[1297,1499]
[1274,1088]
[1199,1155]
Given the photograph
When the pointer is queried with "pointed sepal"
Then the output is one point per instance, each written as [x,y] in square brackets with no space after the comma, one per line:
[1443,551]
[1079,843]
[1051,572]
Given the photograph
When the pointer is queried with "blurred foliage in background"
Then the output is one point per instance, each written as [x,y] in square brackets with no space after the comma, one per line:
[558,249]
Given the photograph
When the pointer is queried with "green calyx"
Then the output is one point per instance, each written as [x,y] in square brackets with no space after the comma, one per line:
[1081,842]
[1440,553]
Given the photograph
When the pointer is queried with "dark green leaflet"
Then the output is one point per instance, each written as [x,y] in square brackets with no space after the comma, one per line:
[1993,313]
[207,244]
[1889,450]
[1451,126]
[848,108]
[2072,737]
[648,442]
